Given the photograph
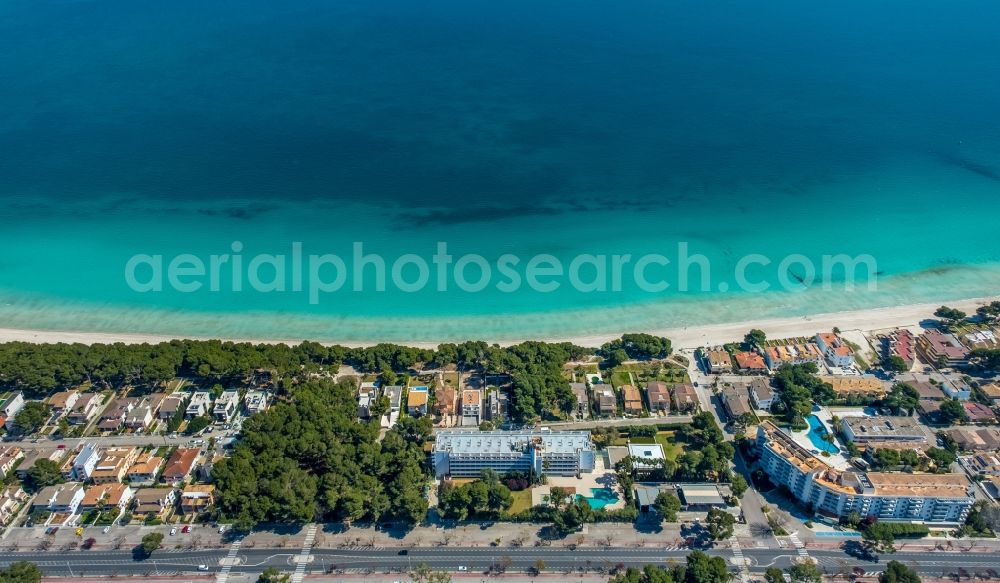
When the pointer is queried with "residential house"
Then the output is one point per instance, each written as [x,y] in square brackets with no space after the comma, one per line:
[63,401]
[718,361]
[113,464]
[582,400]
[658,395]
[416,400]
[685,398]
[367,396]
[171,405]
[114,415]
[10,407]
[982,464]
[107,495]
[199,404]
[11,499]
[154,501]
[750,363]
[10,455]
[956,388]
[445,401]
[761,393]
[144,411]
[936,347]
[255,402]
[835,350]
[180,465]
[86,407]
[975,438]
[143,472]
[498,406]
[85,461]
[736,401]
[979,413]
[61,498]
[395,395]
[992,392]
[646,457]
[633,400]
[227,405]
[472,404]
[196,498]
[32,457]
[607,402]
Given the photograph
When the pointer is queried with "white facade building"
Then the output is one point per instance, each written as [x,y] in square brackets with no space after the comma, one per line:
[467,453]
[86,461]
[931,498]
[199,404]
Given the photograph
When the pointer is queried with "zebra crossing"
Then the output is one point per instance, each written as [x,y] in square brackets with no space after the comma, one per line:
[741,561]
[227,563]
[799,547]
[300,568]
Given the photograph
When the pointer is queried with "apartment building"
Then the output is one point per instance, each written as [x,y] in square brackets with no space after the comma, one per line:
[461,453]
[865,431]
[905,497]
[776,356]
[85,461]
[936,346]
[113,464]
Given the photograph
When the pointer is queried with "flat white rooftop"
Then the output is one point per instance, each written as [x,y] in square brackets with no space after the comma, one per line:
[463,441]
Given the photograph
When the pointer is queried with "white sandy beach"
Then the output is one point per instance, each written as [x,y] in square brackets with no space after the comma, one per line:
[688,337]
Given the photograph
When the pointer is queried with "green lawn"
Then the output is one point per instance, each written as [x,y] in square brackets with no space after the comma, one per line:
[671,449]
[619,377]
[522,501]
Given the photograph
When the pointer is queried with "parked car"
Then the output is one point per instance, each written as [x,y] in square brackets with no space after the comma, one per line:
[202,567]
[173,531]
[186,529]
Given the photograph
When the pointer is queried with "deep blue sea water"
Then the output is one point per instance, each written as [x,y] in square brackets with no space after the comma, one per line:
[521,127]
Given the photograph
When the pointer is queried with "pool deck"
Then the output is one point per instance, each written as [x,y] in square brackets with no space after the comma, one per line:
[599,478]
[834,460]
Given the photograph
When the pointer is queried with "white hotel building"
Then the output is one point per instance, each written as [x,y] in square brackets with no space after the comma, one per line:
[931,498]
[467,453]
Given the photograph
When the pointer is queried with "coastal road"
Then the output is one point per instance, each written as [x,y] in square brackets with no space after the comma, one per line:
[479,559]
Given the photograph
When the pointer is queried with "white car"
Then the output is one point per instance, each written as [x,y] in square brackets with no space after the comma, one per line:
[202,567]
[222,529]
[173,531]
[106,530]
[463,568]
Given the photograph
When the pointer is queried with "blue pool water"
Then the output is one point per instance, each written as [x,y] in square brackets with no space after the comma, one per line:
[599,498]
[816,432]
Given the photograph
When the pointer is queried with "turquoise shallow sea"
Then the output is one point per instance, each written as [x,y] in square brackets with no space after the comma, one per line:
[519,128]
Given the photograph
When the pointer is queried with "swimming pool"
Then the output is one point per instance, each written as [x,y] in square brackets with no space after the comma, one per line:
[816,432]
[600,497]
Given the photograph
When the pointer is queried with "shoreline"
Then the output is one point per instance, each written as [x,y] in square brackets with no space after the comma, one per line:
[689,337]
